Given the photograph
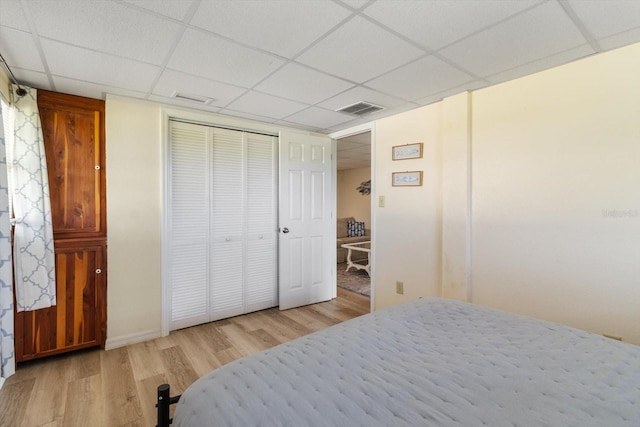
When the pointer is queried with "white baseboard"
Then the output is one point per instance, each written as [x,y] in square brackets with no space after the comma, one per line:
[135,338]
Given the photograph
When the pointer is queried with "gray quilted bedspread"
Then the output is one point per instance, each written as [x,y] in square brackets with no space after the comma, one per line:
[430,362]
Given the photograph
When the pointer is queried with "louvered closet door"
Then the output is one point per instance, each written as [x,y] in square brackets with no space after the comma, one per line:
[189,224]
[223,200]
[244,230]
[262,198]
[228,212]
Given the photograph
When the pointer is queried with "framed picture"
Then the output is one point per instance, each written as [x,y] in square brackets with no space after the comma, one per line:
[407,179]
[409,151]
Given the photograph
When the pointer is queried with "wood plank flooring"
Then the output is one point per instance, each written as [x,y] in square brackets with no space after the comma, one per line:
[118,387]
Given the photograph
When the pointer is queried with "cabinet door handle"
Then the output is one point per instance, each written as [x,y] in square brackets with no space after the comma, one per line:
[98,271]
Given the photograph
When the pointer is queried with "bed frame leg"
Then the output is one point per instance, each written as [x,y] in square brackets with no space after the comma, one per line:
[164,400]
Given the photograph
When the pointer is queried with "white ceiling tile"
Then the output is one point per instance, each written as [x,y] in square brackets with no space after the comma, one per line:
[32,78]
[359,51]
[347,126]
[302,84]
[609,17]
[282,27]
[358,94]
[319,117]
[91,90]
[19,49]
[106,27]
[392,111]
[265,105]
[298,126]
[471,86]
[356,4]
[186,104]
[540,32]
[620,39]
[542,64]
[89,66]
[176,9]
[429,23]
[244,115]
[420,78]
[12,16]
[216,59]
[175,81]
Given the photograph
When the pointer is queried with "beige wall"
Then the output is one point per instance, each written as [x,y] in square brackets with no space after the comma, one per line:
[349,201]
[456,201]
[408,229]
[540,207]
[5,84]
[552,154]
[134,208]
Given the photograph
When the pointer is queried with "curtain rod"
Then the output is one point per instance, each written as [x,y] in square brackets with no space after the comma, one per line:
[20,91]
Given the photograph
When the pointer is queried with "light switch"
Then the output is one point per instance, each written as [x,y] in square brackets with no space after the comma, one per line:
[381,201]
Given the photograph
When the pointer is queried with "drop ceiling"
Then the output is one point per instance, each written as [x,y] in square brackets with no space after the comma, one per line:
[295,62]
[354,151]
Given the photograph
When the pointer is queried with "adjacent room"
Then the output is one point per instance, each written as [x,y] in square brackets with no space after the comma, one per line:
[353,226]
[319,212]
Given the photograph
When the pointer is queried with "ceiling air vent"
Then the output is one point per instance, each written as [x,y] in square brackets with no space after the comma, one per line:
[192,98]
[360,108]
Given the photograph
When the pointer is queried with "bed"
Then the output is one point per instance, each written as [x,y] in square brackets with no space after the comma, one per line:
[427,362]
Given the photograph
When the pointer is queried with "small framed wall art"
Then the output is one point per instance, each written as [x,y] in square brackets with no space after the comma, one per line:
[407,179]
[406,152]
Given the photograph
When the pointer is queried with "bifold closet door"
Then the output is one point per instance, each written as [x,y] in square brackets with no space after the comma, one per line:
[223,199]
[227,223]
[261,258]
[189,201]
[244,223]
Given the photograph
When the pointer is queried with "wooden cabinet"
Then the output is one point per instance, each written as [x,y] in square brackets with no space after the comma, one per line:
[73,129]
[78,319]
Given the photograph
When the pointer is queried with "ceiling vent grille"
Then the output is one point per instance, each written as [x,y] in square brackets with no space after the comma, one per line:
[360,108]
[192,98]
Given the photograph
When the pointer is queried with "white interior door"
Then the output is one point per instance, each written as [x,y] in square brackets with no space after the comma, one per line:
[307,229]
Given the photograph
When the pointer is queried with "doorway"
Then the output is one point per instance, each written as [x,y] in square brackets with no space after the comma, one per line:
[354,213]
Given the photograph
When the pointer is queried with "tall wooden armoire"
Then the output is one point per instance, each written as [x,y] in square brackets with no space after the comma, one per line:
[74,140]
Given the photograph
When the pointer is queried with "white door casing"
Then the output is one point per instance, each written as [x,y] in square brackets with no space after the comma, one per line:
[307,235]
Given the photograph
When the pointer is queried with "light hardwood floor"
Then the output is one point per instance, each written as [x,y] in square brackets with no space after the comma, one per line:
[118,387]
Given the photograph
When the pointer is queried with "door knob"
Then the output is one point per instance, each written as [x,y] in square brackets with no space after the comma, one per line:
[285,230]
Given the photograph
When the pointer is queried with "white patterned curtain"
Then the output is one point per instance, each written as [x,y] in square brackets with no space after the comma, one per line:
[33,233]
[7,360]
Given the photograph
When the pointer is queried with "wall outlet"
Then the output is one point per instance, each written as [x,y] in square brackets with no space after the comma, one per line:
[400,287]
